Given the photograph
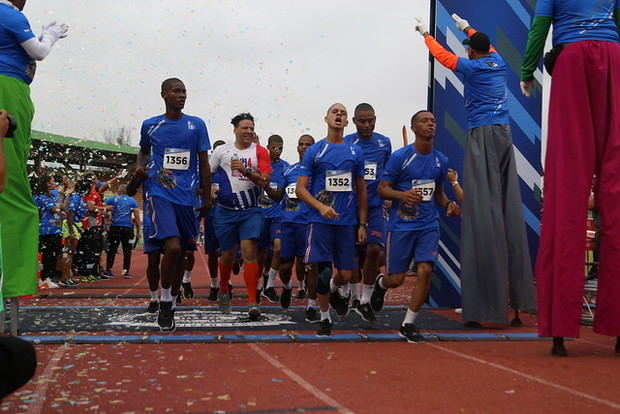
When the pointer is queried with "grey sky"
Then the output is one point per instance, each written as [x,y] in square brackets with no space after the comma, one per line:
[283,61]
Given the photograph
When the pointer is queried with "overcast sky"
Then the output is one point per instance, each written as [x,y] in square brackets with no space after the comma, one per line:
[285,61]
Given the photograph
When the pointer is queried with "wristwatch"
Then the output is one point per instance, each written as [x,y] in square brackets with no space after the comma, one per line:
[364,224]
[248,172]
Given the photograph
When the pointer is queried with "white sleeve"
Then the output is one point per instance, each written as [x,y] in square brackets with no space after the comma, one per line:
[38,49]
[214,160]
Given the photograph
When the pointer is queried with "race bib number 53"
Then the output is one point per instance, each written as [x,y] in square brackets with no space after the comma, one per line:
[176,159]
[338,181]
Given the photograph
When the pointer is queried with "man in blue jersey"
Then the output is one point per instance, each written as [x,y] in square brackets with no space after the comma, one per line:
[272,231]
[331,182]
[122,228]
[413,180]
[50,233]
[212,246]
[377,149]
[294,235]
[19,49]
[492,212]
[175,146]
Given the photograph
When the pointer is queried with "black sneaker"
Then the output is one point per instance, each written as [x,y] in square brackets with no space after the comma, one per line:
[178,300]
[378,296]
[270,294]
[153,307]
[335,300]
[236,268]
[312,316]
[230,294]
[354,306]
[107,274]
[301,294]
[365,311]
[188,292]
[410,333]
[343,307]
[127,275]
[325,328]
[213,294]
[253,312]
[285,298]
[165,319]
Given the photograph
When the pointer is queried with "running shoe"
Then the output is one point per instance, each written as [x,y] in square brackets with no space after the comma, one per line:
[178,299]
[107,274]
[378,296]
[64,283]
[354,306]
[365,312]
[335,299]
[253,311]
[165,319]
[270,294]
[127,275]
[410,333]
[312,316]
[230,289]
[47,284]
[224,302]
[153,307]
[301,294]
[213,294]
[188,292]
[325,328]
[285,298]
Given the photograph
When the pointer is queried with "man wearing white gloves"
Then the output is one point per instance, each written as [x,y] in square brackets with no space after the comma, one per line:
[19,48]
[495,262]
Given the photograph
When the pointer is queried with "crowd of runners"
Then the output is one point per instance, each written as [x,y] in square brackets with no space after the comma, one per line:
[349,206]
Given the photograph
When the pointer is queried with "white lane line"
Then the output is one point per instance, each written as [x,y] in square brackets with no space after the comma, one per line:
[326,399]
[45,379]
[529,377]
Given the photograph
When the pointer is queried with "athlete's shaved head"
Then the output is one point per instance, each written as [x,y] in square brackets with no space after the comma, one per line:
[275,139]
[363,107]
[332,105]
[167,84]
[415,116]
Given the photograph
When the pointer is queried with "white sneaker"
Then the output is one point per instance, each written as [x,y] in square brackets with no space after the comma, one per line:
[47,284]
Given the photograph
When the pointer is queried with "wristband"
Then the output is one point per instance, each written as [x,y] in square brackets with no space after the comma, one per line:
[454,184]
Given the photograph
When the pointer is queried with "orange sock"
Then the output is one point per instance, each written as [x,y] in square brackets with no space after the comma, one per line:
[250,275]
[225,270]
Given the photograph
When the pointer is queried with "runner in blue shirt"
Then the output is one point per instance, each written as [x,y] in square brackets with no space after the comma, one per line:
[377,149]
[272,231]
[413,180]
[175,146]
[294,235]
[122,228]
[331,182]
[50,233]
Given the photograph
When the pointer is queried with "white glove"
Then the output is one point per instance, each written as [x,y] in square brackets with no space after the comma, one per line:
[527,87]
[421,26]
[461,24]
[55,31]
